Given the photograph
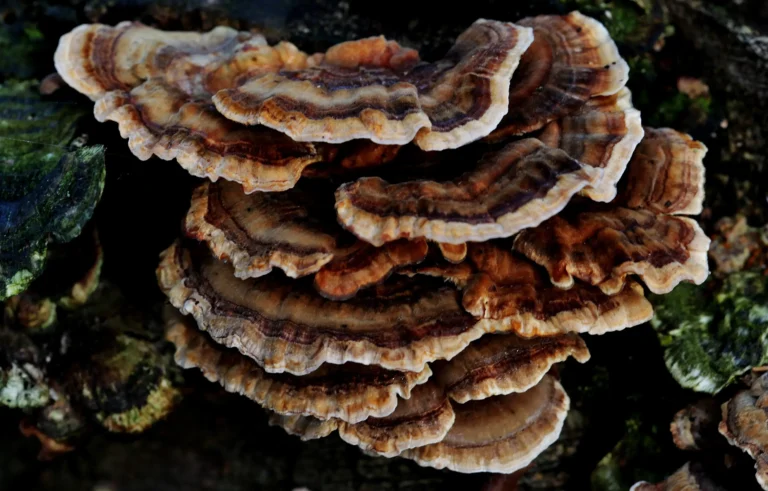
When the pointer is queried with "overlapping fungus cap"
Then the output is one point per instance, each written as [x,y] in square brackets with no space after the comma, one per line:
[499,434]
[638,232]
[285,325]
[158,86]
[348,392]
[604,134]
[571,59]
[260,231]
[516,187]
[295,232]
[512,290]
[504,363]
[745,425]
[444,104]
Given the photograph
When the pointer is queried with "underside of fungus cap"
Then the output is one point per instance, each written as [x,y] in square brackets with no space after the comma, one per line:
[285,325]
[501,364]
[262,231]
[745,425]
[422,419]
[666,174]
[165,122]
[460,98]
[516,292]
[516,187]
[602,245]
[571,59]
[348,392]
[499,434]
[602,134]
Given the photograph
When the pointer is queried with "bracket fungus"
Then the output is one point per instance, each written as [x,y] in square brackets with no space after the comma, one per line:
[439,105]
[412,301]
[633,234]
[348,392]
[516,187]
[572,58]
[745,425]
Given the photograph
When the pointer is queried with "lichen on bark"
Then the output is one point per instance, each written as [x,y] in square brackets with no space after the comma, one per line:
[713,334]
[48,187]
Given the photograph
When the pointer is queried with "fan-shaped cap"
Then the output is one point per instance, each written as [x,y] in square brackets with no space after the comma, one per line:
[260,231]
[365,266]
[513,290]
[511,189]
[422,419]
[160,120]
[349,392]
[690,477]
[444,104]
[499,434]
[745,424]
[603,134]
[601,246]
[501,364]
[571,59]
[666,174]
[286,326]
[95,59]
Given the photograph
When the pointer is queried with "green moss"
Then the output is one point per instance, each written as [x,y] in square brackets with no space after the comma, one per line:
[711,337]
[47,190]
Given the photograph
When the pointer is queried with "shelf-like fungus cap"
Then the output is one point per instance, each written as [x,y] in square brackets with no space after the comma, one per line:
[602,134]
[441,105]
[633,234]
[690,477]
[499,434]
[285,325]
[745,425]
[424,418]
[515,292]
[516,187]
[602,245]
[160,120]
[666,174]
[365,266]
[571,59]
[261,231]
[95,59]
[501,364]
[349,392]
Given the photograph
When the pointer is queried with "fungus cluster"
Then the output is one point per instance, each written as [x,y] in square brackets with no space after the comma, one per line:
[395,250]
